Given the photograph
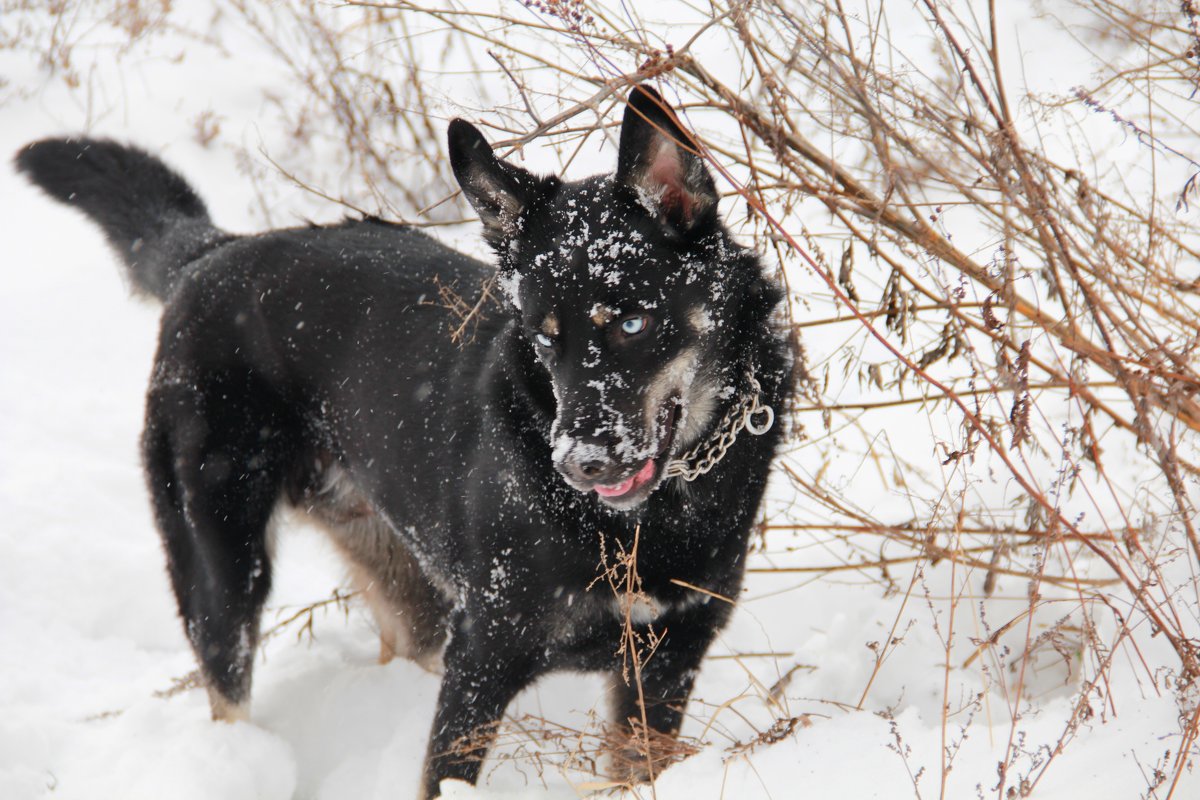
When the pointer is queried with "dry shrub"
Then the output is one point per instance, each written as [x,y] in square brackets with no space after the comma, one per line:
[536,747]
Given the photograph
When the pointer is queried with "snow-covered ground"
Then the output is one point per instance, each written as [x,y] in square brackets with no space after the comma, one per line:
[89,639]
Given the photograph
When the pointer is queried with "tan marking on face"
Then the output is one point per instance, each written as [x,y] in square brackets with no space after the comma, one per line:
[550,325]
[699,399]
[699,320]
[602,315]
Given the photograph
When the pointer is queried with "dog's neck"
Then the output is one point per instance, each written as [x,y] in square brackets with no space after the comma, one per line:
[749,413]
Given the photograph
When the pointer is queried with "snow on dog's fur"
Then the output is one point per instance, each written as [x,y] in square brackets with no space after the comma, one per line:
[473,488]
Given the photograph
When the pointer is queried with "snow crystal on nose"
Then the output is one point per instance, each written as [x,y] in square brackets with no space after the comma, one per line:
[628,441]
[567,445]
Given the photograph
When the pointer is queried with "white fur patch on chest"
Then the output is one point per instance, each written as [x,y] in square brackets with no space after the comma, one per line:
[579,610]
[643,609]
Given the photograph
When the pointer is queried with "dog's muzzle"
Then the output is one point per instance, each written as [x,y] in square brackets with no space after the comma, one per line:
[595,463]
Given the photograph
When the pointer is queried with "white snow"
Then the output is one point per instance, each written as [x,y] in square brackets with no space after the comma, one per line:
[88,632]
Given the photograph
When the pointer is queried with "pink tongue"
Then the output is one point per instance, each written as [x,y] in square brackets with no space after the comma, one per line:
[627,485]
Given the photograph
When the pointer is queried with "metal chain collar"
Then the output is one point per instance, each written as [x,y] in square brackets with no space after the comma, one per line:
[707,454]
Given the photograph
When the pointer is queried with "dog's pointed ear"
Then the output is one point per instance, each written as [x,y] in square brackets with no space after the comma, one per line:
[497,190]
[661,162]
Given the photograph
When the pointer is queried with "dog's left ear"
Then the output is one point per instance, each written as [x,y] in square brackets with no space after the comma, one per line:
[497,190]
[661,162]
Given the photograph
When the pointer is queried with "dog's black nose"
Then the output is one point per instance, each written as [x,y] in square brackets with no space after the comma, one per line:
[590,469]
[589,460]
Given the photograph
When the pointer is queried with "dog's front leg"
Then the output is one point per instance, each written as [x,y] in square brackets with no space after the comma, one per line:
[487,664]
[648,703]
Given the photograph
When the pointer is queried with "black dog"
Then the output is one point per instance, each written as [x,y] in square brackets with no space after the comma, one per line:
[473,488]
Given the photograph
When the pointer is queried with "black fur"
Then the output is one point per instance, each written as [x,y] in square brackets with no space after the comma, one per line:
[151,216]
[314,366]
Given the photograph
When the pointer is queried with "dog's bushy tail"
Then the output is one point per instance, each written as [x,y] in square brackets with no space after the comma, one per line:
[150,214]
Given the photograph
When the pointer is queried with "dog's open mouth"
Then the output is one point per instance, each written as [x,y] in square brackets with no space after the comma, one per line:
[651,469]
[643,476]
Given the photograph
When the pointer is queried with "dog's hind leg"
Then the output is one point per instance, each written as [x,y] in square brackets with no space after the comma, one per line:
[409,611]
[215,462]
[412,614]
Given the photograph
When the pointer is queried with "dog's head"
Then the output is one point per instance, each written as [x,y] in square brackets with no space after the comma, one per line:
[622,285]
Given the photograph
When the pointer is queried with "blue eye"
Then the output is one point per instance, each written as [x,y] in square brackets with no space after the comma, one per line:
[632,326]
[543,340]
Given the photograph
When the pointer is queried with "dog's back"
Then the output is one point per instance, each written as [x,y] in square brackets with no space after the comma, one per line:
[280,358]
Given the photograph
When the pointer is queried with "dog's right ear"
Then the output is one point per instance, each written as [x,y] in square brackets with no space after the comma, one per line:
[497,190]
